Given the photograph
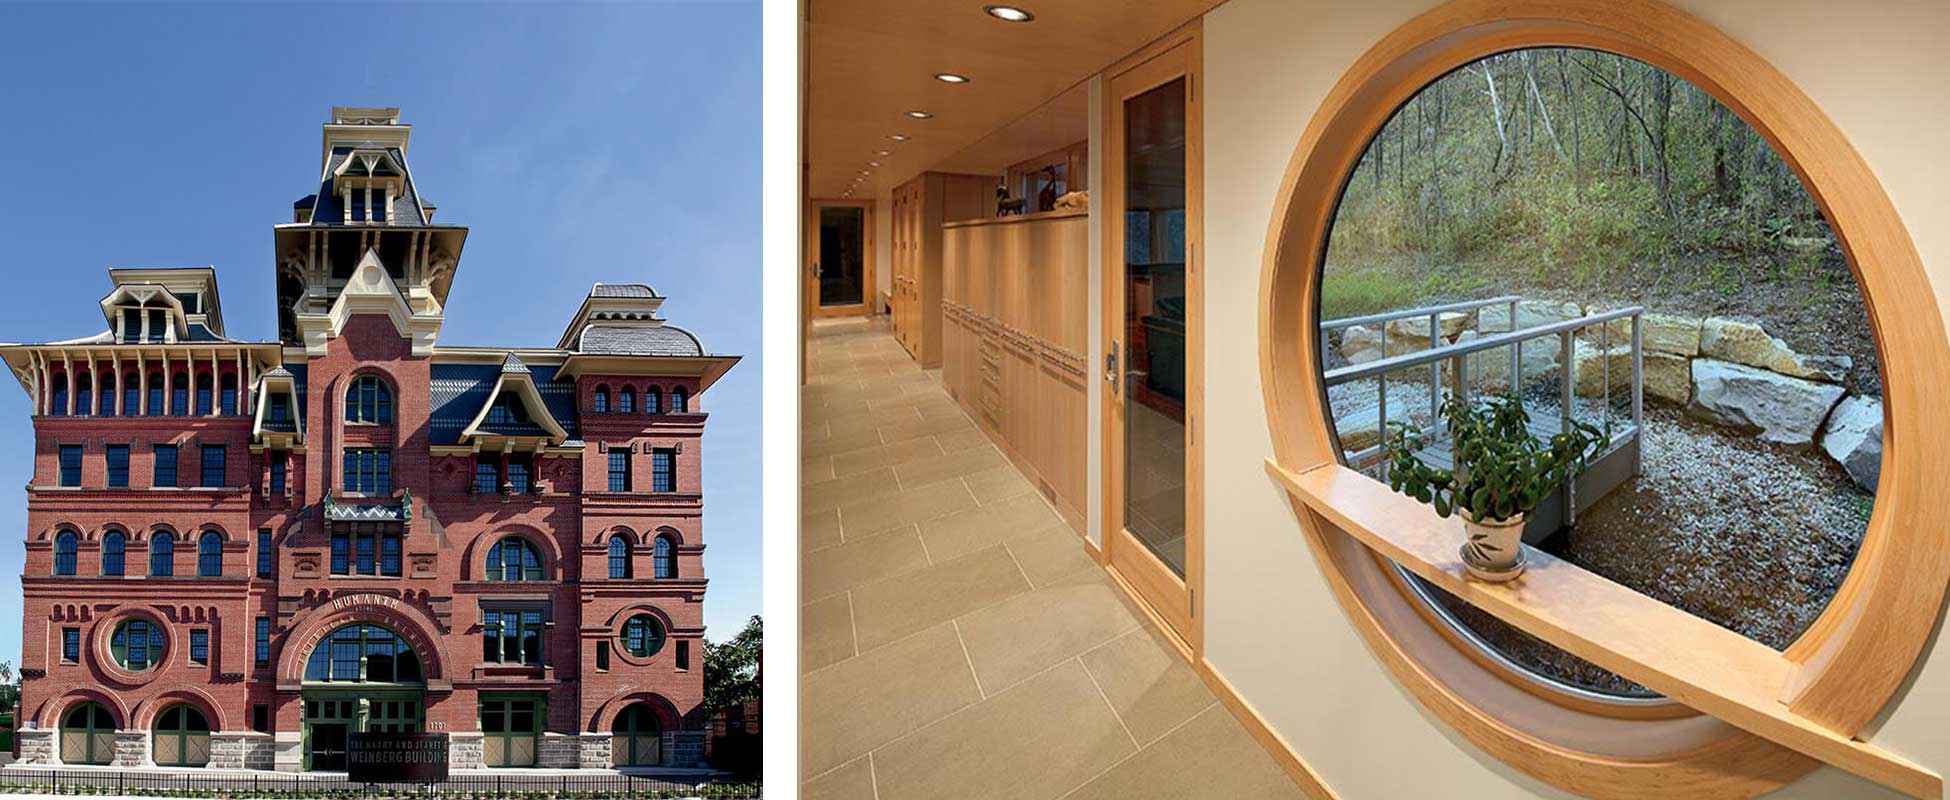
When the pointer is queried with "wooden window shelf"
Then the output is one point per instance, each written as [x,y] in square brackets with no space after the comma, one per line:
[1695,662]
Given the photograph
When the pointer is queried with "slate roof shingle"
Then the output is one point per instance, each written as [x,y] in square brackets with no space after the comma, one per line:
[639,340]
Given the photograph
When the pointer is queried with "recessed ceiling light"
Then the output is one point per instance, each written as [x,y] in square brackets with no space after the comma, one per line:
[1009,13]
[884,152]
[873,163]
[949,77]
[866,172]
[899,137]
[920,114]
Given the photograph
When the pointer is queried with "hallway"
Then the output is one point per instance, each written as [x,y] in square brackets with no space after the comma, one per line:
[957,639]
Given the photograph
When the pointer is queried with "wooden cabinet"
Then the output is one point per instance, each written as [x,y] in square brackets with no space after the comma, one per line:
[919,208]
[1014,339]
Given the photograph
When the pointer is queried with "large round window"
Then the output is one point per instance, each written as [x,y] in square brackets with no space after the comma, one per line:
[643,636]
[137,645]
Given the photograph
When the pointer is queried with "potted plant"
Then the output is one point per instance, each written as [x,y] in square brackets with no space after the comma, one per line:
[1501,472]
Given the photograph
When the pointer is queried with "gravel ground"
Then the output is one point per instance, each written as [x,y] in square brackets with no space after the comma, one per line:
[1749,536]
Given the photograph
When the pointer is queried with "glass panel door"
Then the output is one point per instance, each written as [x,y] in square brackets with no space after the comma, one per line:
[841,266]
[1154,321]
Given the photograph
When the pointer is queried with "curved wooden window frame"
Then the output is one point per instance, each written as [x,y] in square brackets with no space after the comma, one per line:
[1854,658]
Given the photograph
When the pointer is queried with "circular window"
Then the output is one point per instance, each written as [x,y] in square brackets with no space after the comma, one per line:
[137,645]
[643,636]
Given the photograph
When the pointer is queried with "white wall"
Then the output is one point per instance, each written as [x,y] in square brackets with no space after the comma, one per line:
[1272,627]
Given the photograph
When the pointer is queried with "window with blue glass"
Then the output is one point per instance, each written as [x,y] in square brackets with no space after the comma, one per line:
[114,551]
[158,323]
[619,470]
[619,557]
[514,559]
[653,401]
[200,647]
[487,476]
[363,654]
[680,401]
[209,555]
[663,470]
[179,394]
[59,406]
[213,464]
[279,469]
[162,554]
[71,645]
[369,401]
[137,645]
[507,410]
[108,395]
[665,561]
[70,465]
[65,545]
[643,636]
[131,325]
[131,394]
[261,643]
[520,474]
[203,395]
[626,401]
[264,553]
[165,465]
[280,410]
[84,396]
[227,399]
[601,400]
[366,548]
[368,471]
[118,466]
[512,636]
[155,405]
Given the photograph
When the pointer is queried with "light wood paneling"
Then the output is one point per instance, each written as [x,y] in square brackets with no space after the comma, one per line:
[1015,339]
[919,207]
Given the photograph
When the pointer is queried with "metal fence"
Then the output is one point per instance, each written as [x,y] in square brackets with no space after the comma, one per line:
[311,785]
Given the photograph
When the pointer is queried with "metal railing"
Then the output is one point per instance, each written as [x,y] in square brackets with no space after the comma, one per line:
[1457,355]
[297,784]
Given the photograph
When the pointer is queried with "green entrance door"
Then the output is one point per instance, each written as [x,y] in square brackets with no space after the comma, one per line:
[331,717]
[511,728]
[637,738]
[182,738]
[360,678]
[87,735]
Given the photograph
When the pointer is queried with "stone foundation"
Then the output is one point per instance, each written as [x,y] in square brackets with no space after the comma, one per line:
[37,746]
[593,751]
[684,749]
[287,751]
[558,751]
[242,750]
[465,751]
[131,749]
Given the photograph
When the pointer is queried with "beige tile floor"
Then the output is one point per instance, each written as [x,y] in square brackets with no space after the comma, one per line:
[957,639]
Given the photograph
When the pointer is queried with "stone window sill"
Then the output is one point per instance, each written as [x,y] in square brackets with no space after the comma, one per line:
[1704,666]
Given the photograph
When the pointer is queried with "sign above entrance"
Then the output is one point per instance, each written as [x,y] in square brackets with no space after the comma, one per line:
[396,757]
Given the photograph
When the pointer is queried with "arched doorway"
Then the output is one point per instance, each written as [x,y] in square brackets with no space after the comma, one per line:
[181,737]
[87,735]
[637,739]
[362,677]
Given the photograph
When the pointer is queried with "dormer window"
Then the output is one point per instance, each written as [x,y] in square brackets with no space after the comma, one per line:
[507,411]
[131,325]
[280,410]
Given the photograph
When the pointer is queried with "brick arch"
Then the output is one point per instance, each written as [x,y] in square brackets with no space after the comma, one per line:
[48,533]
[144,716]
[196,534]
[614,622]
[676,534]
[667,714]
[336,389]
[406,620]
[146,534]
[603,535]
[49,715]
[474,567]
[106,528]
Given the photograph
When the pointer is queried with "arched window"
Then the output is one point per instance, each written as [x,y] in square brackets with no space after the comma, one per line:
[209,555]
[84,395]
[108,396]
[162,554]
[369,401]
[87,735]
[203,395]
[156,407]
[619,557]
[59,408]
[643,636]
[680,402]
[653,400]
[363,654]
[637,739]
[131,393]
[179,394]
[514,559]
[65,544]
[507,410]
[666,558]
[227,399]
[114,546]
[626,401]
[601,400]
[182,737]
[137,644]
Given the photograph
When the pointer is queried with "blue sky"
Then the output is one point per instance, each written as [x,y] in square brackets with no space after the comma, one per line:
[581,143]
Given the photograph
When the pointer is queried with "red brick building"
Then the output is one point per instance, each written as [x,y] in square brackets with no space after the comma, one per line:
[239,552]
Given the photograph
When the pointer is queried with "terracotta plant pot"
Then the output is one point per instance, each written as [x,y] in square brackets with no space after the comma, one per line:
[1494,550]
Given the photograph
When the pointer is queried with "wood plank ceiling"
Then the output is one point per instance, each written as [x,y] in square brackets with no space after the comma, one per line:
[871,61]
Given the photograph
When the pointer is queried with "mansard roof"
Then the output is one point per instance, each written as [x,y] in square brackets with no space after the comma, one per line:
[623,290]
[328,211]
[458,392]
[660,340]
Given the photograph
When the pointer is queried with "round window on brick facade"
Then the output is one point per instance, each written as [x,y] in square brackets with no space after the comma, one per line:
[643,636]
[137,645]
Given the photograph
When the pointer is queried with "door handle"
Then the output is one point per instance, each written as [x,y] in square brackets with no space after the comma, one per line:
[816,270]
[1110,368]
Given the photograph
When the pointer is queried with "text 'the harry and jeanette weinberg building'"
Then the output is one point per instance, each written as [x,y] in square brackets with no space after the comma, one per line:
[239,552]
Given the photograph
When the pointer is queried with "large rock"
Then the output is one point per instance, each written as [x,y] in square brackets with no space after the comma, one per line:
[1749,344]
[1668,378]
[1448,323]
[1359,430]
[1854,439]
[1666,333]
[1593,366]
[1530,313]
[1777,408]
[1360,344]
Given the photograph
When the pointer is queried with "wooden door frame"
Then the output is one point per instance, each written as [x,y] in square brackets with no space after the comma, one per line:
[1176,604]
[869,292]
